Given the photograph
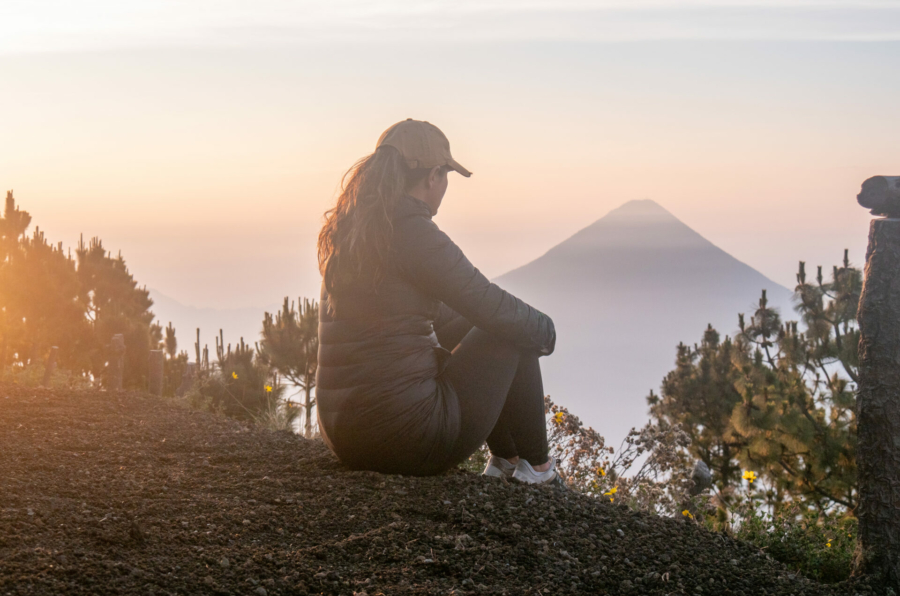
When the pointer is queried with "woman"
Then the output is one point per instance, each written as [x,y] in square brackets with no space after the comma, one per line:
[421,358]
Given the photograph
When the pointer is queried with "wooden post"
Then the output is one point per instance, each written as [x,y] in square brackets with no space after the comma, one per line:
[187,381]
[4,341]
[51,366]
[3,355]
[157,361]
[117,362]
[878,400]
[881,194]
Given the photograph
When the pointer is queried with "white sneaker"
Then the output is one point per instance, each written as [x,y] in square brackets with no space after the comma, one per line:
[525,473]
[498,467]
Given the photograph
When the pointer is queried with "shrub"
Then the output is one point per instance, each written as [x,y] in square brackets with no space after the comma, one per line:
[241,385]
[819,545]
[173,373]
[279,415]
[660,475]
[649,473]
[33,376]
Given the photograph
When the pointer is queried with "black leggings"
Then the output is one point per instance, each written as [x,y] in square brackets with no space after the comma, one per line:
[500,392]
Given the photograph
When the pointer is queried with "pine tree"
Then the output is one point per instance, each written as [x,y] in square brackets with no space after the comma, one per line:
[171,343]
[700,395]
[777,400]
[117,305]
[41,299]
[175,363]
[290,343]
[12,227]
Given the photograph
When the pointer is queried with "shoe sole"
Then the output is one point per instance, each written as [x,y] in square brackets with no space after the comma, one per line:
[495,472]
[557,482]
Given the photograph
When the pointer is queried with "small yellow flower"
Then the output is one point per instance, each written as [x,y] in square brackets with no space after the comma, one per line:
[558,418]
[234,375]
[601,472]
[687,513]
[268,389]
[829,544]
[751,476]
[610,493]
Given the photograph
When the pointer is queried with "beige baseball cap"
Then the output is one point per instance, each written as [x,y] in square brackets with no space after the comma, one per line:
[421,144]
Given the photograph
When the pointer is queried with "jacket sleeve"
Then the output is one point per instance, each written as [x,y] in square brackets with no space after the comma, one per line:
[445,316]
[434,263]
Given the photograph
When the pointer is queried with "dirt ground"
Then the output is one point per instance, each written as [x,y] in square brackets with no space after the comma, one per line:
[106,494]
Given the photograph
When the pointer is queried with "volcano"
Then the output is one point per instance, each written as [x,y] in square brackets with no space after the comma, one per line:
[623,292]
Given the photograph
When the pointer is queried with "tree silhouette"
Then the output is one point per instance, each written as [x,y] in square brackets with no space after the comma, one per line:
[12,227]
[700,395]
[48,298]
[116,305]
[290,343]
[170,343]
[41,297]
[777,400]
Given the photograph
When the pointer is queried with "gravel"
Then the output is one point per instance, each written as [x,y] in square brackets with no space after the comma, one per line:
[129,494]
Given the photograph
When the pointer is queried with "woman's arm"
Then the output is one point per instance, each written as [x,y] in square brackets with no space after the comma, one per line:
[432,261]
[445,316]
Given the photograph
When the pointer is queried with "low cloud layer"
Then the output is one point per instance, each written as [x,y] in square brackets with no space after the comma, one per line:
[55,25]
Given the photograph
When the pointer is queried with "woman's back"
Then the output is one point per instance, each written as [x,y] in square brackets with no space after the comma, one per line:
[379,359]
[389,396]
[373,329]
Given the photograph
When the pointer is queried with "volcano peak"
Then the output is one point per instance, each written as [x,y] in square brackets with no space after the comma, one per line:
[623,292]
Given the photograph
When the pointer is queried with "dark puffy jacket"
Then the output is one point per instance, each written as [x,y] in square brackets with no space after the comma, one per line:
[379,390]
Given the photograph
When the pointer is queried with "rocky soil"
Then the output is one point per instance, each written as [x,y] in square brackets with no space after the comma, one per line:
[106,494]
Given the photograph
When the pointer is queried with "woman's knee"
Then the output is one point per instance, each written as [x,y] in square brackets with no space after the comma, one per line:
[480,339]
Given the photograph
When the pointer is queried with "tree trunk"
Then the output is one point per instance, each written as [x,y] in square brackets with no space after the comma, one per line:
[878,405]
[187,380]
[117,362]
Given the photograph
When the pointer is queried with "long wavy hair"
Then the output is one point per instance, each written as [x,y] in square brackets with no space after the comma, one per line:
[355,241]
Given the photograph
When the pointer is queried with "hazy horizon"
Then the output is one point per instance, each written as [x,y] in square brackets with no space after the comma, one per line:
[276,304]
[623,292]
[207,144]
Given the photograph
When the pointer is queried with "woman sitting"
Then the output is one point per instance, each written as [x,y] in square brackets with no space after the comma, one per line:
[421,358]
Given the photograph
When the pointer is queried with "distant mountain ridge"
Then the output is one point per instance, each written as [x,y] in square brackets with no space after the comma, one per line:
[235,323]
[623,292]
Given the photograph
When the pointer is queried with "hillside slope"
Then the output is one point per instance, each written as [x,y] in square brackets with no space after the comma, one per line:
[623,293]
[131,495]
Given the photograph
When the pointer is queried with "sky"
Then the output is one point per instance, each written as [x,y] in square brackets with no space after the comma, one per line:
[206,139]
